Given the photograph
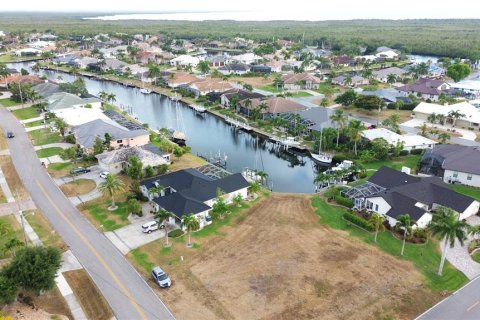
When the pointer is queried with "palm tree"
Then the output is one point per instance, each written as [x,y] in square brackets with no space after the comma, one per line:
[110,186]
[4,73]
[61,125]
[441,118]
[238,200]
[377,222]
[455,115]
[103,95]
[432,118]
[348,81]
[321,178]
[154,71]
[404,222]
[391,78]
[203,67]
[443,137]
[423,130]
[162,217]
[254,187]
[156,191]
[448,226]
[191,224]
[399,104]
[367,73]
[111,98]
[262,175]
[324,102]
[339,119]
[355,128]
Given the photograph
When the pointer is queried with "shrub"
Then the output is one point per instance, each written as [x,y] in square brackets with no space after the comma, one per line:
[70,139]
[344,201]
[404,153]
[416,151]
[339,157]
[175,233]
[362,223]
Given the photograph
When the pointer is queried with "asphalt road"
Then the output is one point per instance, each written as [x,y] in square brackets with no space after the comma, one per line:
[462,305]
[127,293]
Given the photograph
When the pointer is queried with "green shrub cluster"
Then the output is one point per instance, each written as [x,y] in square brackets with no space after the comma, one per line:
[362,223]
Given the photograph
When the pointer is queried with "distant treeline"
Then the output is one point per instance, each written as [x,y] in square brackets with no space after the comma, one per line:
[453,38]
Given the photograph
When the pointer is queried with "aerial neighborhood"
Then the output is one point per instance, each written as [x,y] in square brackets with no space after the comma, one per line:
[231,173]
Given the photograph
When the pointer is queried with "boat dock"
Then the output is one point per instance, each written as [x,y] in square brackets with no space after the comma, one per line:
[238,124]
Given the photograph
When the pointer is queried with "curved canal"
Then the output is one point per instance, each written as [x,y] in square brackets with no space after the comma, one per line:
[207,134]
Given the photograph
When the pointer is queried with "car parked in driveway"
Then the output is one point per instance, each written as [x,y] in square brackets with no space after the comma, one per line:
[161,277]
[151,226]
[10,134]
[104,174]
[79,170]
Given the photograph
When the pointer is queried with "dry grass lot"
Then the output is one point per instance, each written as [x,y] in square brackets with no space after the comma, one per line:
[255,82]
[3,140]
[277,262]
[93,303]
[186,161]
[384,114]
[13,180]
[78,187]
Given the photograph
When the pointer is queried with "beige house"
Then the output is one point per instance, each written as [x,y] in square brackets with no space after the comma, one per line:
[202,87]
[87,133]
[296,81]
[180,78]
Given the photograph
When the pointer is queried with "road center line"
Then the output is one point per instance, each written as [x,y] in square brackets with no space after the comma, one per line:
[97,255]
[473,306]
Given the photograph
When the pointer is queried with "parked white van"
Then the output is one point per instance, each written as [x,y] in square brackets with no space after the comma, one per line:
[151,226]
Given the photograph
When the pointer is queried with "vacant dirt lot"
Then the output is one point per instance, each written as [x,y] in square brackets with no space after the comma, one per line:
[278,262]
[13,180]
[256,82]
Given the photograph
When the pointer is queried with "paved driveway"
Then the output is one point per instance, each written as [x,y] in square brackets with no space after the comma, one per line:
[127,293]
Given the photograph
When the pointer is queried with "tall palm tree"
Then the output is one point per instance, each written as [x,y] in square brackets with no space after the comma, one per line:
[154,71]
[111,98]
[203,67]
[162,217]
[348,81]
[455,115]
[377,222]
[355,128]
[441,118]
[391,78]
[103,95]
[432,118]
[191,224]
[338,118]
[404,222]
[448,226]
[111,186]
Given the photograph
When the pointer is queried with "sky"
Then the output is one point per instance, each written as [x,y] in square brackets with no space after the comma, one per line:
[261,9]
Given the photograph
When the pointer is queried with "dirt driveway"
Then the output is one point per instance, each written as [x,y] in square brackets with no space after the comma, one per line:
[278,262]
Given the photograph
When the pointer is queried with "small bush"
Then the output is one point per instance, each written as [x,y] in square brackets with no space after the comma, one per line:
[339,157]
[362,223]
[175,233]
[70,139]
[416,151]
[404,153]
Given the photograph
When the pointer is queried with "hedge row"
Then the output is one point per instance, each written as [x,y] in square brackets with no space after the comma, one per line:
[362,223]
[344,201]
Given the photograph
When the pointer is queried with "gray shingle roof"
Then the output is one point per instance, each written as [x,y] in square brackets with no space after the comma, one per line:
[87,132]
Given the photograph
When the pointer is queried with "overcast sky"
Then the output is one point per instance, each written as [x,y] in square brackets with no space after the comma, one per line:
[265,10]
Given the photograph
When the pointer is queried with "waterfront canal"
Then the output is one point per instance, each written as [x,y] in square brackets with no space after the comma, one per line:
[207,134]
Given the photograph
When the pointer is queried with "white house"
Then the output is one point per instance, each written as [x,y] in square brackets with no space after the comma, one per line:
[392,193]
[410,142]
[387,55]
[246,58]
[469,114]
[185,60]
[28,52]
[190,191]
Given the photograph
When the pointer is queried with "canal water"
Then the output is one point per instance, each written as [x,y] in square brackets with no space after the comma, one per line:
[207,135]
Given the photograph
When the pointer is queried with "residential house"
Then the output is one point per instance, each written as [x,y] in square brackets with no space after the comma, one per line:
[453,163]
[270,107]
[46,89]
[84,62]
[117,160]
[139,72]
[204,86]
[218,61]
[425,88]
[175,80]
[260,68]
[387,55]
[185,60]
[392,193]
[409,142]
[191,192]
[388,95]
[234,68]
[355,81]
[247,58]
[316,119]
[382,74]
[470,115]
[277,65]
[344,61]
[73,109]
[296,81]
[112,64]
[85,134]
[146,57]
[28,52]
[18,78]
[241,95]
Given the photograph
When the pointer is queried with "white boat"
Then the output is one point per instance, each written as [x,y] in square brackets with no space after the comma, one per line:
[197,108]
[179,137]
[322,157]
[145,91]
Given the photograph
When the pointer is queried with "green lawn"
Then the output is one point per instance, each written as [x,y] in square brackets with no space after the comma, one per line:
[426,258]
[13,230]
[8,102]
[301,94]
[467,190]
[110,220]
[410,161]
[48,152]
[271,88]
[44,136]
[476,256]
[33,124]
[325,86]
[26,113]
[6,58]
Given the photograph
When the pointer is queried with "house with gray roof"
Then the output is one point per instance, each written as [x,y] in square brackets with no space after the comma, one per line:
[46,89]
[454,163]
[86,134]
[392,193]
[383,74]
[190,191]
[117,160]
[64,100]
[389,95]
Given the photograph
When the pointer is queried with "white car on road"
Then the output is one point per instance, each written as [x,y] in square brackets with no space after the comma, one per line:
[104,174]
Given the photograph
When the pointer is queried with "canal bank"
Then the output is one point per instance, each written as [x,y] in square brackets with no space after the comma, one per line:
[207,134]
